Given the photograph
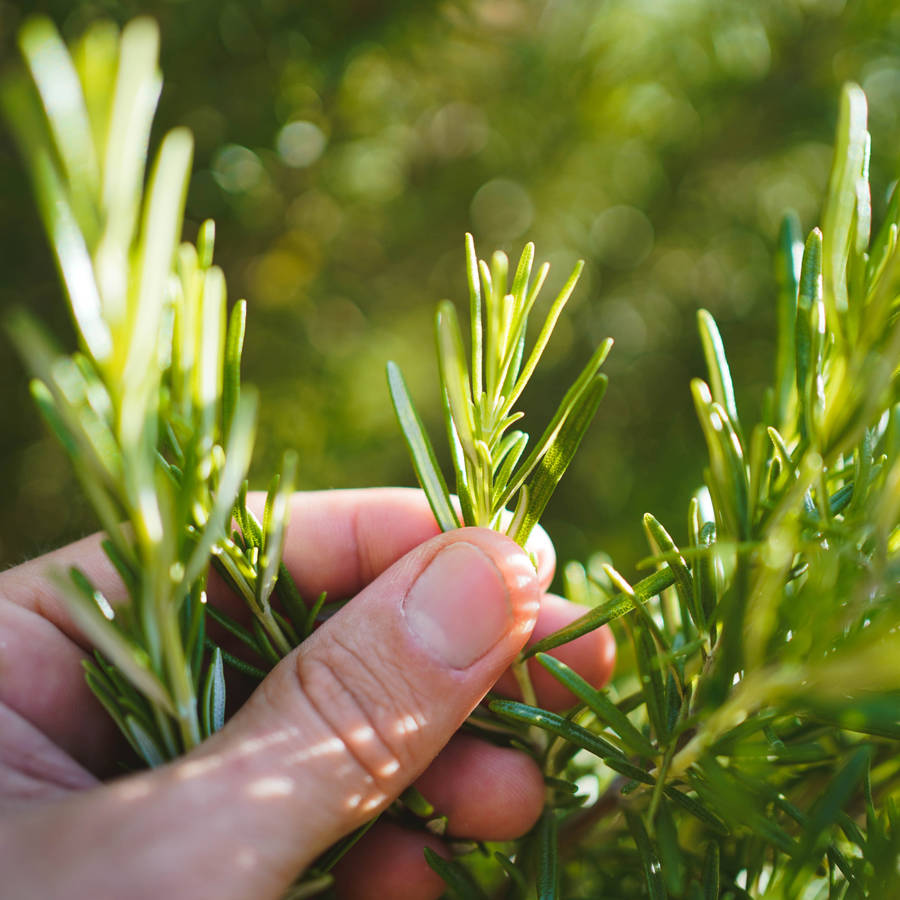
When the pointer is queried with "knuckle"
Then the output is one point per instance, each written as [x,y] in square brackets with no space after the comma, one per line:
[369,705]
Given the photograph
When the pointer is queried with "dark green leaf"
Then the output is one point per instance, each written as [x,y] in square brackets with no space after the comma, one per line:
[514,872]
[569,731]
[548,858]
[696,809]
[600,704]
[656,886]
[711,872]
[457,877]
[314,611]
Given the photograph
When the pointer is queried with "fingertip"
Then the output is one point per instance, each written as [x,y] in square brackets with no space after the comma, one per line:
[522,582]
[541,546]
[390,862]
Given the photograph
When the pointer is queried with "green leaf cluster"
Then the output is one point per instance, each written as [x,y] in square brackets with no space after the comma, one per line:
[750,748]
[150,407]
[479,402]
[749,745]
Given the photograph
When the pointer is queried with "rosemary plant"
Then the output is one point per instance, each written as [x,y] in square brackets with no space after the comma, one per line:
[150,407]
[479,408]
[752,746]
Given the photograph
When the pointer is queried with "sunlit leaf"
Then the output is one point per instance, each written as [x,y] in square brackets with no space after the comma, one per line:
[423,457]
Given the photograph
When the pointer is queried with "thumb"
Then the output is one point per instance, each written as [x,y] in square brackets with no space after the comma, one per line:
[344,723]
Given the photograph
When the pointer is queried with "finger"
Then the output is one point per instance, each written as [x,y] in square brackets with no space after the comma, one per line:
[487,793]
[32,769]
[592,656]
[42,680]
[339,541]
[389,862]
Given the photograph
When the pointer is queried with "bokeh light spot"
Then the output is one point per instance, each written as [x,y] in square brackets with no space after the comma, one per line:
[237,169]
[502,209]
[300,143]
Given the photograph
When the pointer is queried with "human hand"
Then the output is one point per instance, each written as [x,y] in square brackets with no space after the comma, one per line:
[333,734]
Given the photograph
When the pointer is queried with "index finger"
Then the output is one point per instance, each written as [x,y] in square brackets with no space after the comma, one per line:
[340,541]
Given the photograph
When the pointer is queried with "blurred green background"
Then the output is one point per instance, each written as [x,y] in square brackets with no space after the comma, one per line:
[345,147]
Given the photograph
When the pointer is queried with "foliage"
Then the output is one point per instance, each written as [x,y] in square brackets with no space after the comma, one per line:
[749,748]
[685,127]
[150,407]
[754,749]
[479,409]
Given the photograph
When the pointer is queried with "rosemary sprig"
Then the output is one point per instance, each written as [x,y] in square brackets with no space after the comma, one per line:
[150,406]
[479,402]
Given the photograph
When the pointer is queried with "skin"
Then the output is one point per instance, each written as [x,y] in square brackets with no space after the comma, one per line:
[366,707]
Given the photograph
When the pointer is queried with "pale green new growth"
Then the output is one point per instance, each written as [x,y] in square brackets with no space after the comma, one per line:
[150,406]
[479,402]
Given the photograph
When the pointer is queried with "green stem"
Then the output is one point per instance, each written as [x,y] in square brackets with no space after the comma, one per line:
[529,696]
[180,679]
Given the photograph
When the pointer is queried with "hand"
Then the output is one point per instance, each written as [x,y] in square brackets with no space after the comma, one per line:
[368,705]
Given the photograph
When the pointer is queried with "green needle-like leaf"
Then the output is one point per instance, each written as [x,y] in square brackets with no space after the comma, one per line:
[613,609]
[213,699]
[717,366]
[147,745]
[569,731]
[457,877]
[711,872]
[840,207]
[544,335]
[423,457]
[555,461]
[452,362]
[137,88]
[656,886]
[567,405]
[548,858]
[684,583]
[475,317]
[60,89]
[600,704]
[159,234]
[104,635]
[274,528]
[237,460]
[208,374]
[231,379]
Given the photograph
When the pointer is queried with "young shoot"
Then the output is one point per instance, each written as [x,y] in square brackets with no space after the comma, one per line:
[479,402]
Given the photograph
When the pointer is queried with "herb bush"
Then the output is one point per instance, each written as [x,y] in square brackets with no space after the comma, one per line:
[749,746]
